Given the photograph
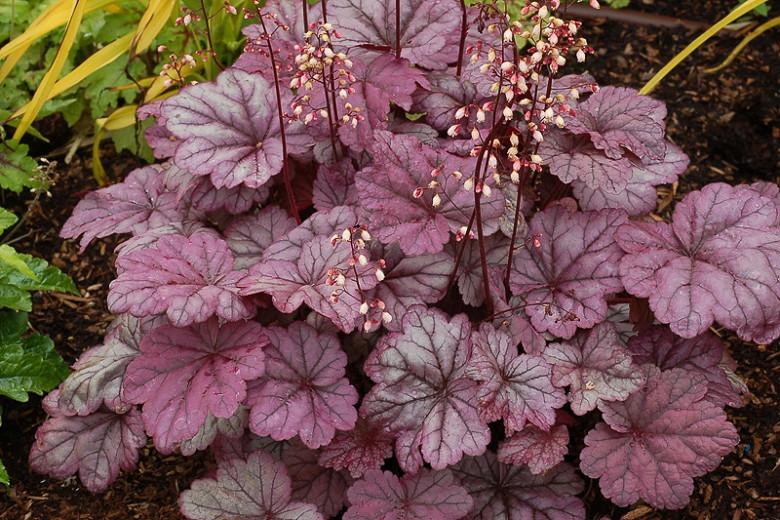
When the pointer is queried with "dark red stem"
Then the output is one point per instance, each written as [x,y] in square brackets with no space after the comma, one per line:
[464,22]
[285,159]
[305,15]
[325,11]
[398,29]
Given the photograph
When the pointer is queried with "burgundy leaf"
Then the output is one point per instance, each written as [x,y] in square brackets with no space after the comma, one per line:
[565,280]
[335,186]
[574,159]
[618,119]
[98,374]
[249,236]
[538,449]
[190,279]
[358,450]
[652,445]
[639,196]
[429,28]
[428,495]
[515,388]
[230,130]
[700,355]
[422,391]
[470,272]
[256,489]
[719,260]
[513,493]
[444,96]
[304,391]
[412,280]
[141,202]
[387,191]
[596,367]
[96,446]
[183,374]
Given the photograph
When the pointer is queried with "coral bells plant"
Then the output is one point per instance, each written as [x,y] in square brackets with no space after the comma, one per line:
[391,258]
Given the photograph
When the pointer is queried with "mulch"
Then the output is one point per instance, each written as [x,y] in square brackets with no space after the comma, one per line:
[728,123]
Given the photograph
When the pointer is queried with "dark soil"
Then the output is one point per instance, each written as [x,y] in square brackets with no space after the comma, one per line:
[728,123]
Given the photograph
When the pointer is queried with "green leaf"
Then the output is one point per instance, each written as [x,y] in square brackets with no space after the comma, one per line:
[30,365]
[47,277]
[7,219]
[12,326]
[15,298]
[17,170]
[4,474]
[11,258]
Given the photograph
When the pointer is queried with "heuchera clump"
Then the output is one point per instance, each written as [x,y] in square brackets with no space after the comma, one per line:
[391,257]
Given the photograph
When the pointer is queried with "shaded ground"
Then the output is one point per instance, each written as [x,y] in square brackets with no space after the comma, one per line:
[730,126]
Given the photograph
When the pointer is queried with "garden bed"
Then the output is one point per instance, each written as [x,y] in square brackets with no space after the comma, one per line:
[729,124]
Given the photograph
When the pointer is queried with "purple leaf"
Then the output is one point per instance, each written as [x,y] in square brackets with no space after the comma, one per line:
[565,281]
[304,391]
[412,280]
[700,355]
[141,202]
[596,367]
[470,272]
[387,189]
[229,427]
[442,98]
[652,445]
[535,448]
[618,119]
[150,238]
[183,374]
[639,196]
[511,492]
[321,223]
[428,495]
[258,488]
[429,28]
[718,260]
[249,235]
[230,130]
[190,279]
[97,446]
[98,374]
[574,159]
[335,186]
[422,391]
[358,450]
[515,388]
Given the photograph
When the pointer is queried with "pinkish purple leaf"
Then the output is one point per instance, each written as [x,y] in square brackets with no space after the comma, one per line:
[358,450]
[304,391]
[442,98]
[719,260]
[150,238]
[98,374]
[700,355]
[596,367]
[639,197]
[422,391]
[565,281]
[652,445]
[96,446]
[335,186]
[321,223]
[538,449]
[574,159]
[183,374]
[188,278]
[429,28]
[386,191]
[513,493]
[255,489]
[249,236]
[229,427]
[141,202]
[618,119]
[470,272]
[515,388]
[230,130]
[428,495]
[412,280]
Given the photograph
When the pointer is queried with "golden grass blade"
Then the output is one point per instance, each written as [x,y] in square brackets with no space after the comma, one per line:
[97,61]
[119,118]
[49,79]
[14,57]
[152,22]
[755,33]
[739,11]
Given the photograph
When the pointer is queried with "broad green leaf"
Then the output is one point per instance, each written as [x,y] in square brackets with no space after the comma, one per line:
[17,169]
[11,258]
[7,219]
[15,298]
[48,277]
[30,365]
[4,474]
[12,326]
